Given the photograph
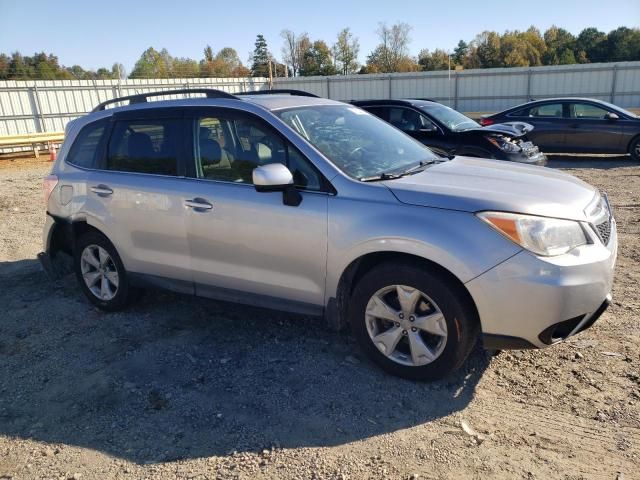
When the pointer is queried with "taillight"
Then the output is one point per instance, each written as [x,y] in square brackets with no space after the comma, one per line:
[48,184]
[485,122]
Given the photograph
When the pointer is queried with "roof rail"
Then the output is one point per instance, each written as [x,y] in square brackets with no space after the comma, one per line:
[142,97]
[276,91]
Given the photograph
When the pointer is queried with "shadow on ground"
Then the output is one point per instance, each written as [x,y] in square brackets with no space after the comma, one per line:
[590,161]
[180,377]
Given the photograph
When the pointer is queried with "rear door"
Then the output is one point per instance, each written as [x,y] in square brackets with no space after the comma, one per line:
[249,246]
[550,124]
[138,194]
[590,131]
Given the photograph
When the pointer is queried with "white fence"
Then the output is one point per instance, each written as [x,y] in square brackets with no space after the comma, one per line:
[46,106]
[485,90]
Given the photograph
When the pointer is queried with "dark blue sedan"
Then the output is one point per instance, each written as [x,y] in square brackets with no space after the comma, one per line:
[576,125]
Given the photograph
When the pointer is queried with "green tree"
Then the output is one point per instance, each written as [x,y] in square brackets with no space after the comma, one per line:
[623,44]
[488,50]
[345,52]
[392,53]
[436,60]
[151,64]
[260,58]
[460,52]
[560,47]
[4,66]
[317,60]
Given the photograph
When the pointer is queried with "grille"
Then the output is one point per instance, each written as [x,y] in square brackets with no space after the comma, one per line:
[604,230]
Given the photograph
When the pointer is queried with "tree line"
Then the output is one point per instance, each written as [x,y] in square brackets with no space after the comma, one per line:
[304,56]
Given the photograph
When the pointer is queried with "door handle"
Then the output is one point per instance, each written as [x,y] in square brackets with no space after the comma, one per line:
[101,190]
[198,204]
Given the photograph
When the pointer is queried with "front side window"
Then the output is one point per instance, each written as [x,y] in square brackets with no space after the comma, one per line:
[408,120]
[358,143]
[586,110]
[229,148]
[84,151]
[550,110]
[145,146]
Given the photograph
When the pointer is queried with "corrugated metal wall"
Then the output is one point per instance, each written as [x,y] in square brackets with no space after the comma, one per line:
[485,90]
[46,106]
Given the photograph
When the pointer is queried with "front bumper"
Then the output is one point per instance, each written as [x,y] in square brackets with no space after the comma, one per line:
[530,158]
[532,302]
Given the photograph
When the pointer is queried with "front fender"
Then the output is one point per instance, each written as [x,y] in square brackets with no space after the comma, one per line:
[457,241]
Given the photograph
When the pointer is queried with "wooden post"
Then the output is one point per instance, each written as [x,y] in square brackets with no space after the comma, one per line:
[270,76]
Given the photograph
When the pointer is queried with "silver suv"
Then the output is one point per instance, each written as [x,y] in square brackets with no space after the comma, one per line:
[309,205]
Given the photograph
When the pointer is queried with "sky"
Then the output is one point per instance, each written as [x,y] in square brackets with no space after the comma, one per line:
[96,34]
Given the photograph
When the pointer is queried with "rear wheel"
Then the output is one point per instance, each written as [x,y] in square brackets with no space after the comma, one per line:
[634,149]
[413,323]
[101,273]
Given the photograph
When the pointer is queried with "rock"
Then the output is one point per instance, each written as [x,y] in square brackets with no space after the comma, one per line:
[579,356]
[479,438]
[351,359]
[48,452]
[224,360]
[75,476]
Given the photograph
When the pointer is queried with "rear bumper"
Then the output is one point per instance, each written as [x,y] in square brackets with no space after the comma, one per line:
[534,302]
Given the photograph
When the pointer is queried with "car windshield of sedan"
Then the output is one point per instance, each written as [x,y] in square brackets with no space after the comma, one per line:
[358,143]
[451,118]
[620,109]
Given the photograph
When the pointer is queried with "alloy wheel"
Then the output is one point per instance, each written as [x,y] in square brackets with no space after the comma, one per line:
[406,325]
[99,272]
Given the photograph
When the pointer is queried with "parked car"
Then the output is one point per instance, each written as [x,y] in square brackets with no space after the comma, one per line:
[315,206]
[449,132]
[576,125]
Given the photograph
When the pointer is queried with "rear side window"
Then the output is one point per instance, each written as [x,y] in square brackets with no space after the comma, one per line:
[550,110]
[84,150]
[145,146]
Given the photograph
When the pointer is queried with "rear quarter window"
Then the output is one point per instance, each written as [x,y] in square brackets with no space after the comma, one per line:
[84,151]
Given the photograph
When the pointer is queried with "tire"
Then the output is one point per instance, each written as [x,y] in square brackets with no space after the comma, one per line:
[437,297]
[118,294]
[634,149]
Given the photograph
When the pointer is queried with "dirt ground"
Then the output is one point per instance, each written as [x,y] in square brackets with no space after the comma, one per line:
[180,387]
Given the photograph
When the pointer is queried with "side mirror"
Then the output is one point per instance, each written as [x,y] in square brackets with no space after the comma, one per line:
[611,116]
[272,177]
[275,177]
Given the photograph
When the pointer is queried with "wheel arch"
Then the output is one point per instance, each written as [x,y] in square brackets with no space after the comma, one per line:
[337,306]
[630,144]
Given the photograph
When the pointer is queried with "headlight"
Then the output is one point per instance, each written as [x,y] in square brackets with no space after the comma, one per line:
[504,145]
[540,235]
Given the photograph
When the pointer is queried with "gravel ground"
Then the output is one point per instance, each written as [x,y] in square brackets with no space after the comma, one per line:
[180,387]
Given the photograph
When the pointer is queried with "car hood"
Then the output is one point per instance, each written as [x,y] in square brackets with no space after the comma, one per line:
[511,129]
[472,185]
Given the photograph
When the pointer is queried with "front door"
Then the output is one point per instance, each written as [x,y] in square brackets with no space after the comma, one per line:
[590,130]
[248,246]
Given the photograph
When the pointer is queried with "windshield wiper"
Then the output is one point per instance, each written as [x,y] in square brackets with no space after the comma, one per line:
[382,176]
[390,176]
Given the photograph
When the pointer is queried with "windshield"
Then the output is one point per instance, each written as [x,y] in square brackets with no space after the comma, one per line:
[619,109]
[358,143]
[451,118]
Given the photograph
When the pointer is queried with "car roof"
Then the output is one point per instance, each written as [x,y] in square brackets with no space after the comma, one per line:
[416,102]
[542,101]
[282,101]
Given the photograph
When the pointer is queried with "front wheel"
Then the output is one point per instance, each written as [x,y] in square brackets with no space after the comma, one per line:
[414,323]
[634,149]
[101,274]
